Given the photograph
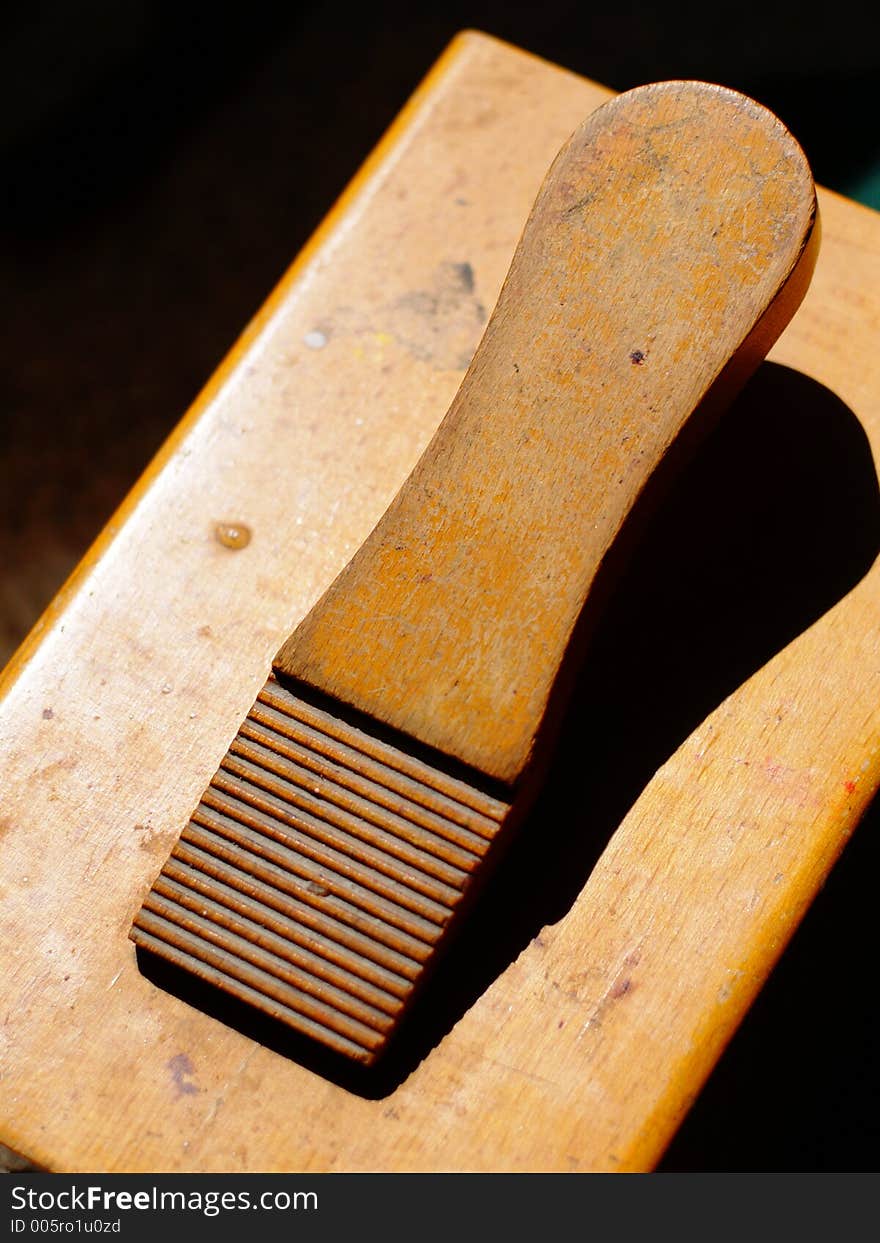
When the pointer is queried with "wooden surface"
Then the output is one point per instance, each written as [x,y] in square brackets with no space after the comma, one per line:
[585,1052]
[680,216]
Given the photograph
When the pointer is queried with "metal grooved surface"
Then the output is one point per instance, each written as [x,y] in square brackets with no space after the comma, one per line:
[317,873]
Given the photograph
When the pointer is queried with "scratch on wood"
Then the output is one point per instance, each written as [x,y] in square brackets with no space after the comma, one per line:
[621,986]
[526,1074]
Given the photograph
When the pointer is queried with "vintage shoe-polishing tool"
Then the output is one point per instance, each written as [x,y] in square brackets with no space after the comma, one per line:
[407,719]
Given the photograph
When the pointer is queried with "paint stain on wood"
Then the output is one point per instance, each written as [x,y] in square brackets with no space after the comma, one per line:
[182,1072]
[443,322]
[439,322]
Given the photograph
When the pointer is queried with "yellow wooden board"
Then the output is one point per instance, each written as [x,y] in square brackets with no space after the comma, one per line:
[587,1050]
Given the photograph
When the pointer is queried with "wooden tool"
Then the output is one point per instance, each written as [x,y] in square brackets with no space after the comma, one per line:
[582,1028]
[408,719]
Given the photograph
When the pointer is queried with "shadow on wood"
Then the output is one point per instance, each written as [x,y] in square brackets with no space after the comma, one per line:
[776,518]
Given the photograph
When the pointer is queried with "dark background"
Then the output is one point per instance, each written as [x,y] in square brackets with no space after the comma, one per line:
[163,165]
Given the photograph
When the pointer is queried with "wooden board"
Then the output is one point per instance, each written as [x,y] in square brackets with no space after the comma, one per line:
[585,1052]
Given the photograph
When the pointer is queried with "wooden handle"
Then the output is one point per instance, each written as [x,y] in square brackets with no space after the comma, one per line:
[671,242]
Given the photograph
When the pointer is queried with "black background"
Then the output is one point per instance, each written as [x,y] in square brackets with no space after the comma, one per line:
[162,166]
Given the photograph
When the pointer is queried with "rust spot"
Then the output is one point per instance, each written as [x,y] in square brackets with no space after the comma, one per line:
[233,535]
[182,1071]
[850,787]
[48,714]
[204,632]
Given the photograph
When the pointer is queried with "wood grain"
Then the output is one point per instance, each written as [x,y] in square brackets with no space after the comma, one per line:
[586,1051]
